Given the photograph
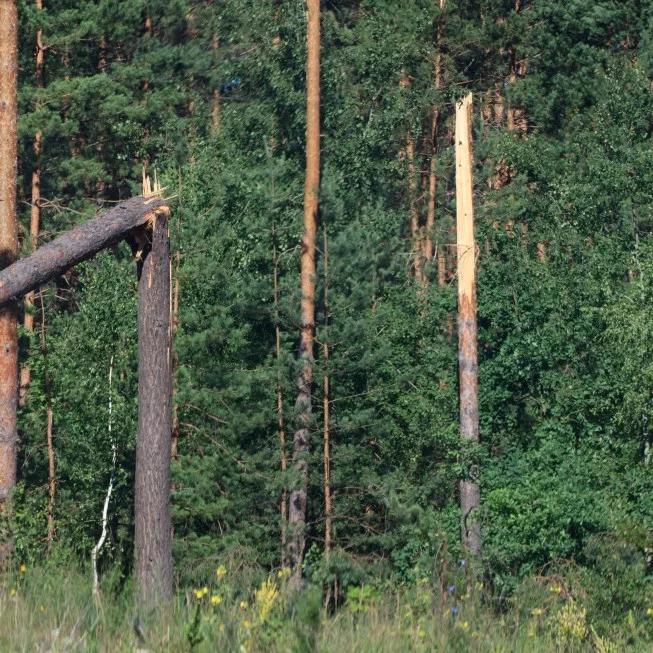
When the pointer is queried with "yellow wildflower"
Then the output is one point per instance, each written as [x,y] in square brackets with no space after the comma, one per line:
[247,623]
[649,612]
[556,589]
[201,593]
[12,591]
[284,573]
[243,605]
[464,625]
[536,612]
[216,599]
[221,571]
[221,628]
[265,596]
[23,568]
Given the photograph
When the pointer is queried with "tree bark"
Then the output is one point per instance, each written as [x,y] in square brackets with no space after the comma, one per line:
[8,248]
[301,444]
[153,527]
[35,212]
[77,245]
[467,330]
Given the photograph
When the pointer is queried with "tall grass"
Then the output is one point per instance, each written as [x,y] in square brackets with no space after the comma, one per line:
[45,610]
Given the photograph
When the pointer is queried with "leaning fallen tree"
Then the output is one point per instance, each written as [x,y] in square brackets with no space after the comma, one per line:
[143,221]
[78,244]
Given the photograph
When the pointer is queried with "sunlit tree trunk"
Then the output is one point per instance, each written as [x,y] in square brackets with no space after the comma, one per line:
[467,332]
[298,496]
[8,247]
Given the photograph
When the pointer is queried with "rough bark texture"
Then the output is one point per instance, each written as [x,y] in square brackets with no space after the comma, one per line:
[153,528]
[35,212]
[8,247]
[298,496]
[467,344]
[76,245]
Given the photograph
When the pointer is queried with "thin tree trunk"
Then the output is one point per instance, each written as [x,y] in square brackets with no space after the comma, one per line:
[326,405]
[175,361]
[281,422]
[153,527]
[301,444]
[467,333]
[49,433]
[35,212]
[215,100]
[433,179]
[8,250]
[77,245]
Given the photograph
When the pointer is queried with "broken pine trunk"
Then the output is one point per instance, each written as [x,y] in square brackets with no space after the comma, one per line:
[153,526]
[467,331]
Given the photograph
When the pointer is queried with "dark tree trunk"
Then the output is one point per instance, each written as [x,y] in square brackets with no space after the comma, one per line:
[77,245]
[153,528]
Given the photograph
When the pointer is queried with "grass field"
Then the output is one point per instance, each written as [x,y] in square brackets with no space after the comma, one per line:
[53,611]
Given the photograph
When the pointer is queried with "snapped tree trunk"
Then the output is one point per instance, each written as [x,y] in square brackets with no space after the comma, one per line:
[35,212]
[467,334]
[301,444]
[153,527]
[8,249]
[77,245]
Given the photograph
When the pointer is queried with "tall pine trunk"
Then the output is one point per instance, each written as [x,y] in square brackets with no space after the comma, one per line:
[467,332]
[301,444]
[35,212]
[8,246]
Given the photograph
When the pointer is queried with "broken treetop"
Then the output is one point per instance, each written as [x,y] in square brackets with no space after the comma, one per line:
[76,245]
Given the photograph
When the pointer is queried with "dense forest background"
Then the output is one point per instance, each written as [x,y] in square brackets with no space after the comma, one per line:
[211,96]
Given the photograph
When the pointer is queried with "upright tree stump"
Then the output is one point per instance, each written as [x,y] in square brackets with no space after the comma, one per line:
[470,497]
[153,536]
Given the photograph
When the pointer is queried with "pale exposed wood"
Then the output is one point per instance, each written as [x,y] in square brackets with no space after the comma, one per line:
[303,408]
[8,248]
[467,329]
